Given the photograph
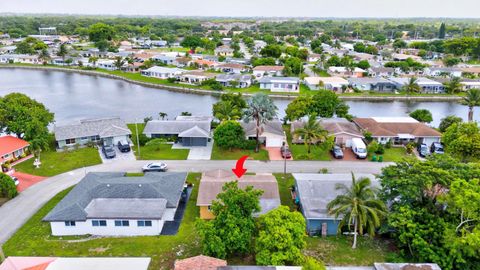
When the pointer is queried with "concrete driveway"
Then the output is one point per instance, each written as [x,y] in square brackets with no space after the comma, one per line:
[275,154]
[197,152]
[119,156]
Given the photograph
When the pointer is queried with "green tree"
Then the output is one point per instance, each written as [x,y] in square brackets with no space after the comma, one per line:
[323,104]
[462,140]
[441,31]
[260,109]
[471,99]
[93,60]
[62,52]
[24,48]
[7,187]
[100,31]
[119,62]
[162,115]
[233,229]
[24,117]
[358,207]
[363,64]
[229,107]
[399,43]
[422,115]
[271,50]
[229,135]
[281,237]
[311,132]
[44,56]
[448,121]
[412,86]
[192,42]
[264,61]
[293,66]
[312,264]
[453,86]
[102,45]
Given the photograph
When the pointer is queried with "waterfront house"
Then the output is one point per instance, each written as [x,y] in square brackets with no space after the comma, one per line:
[106,64]
[377,84]
[381,71]
[336,84]
[242,81]
[398,130]
[212,183]
[313,192]
[12,149]
[103,131]
[470,84]
[19,58]
[113,204]
[280,84]
[342,130]
[271,133]
[231,68]
[427,85]
[186,130]
[195,77]
[261,71]
[162,72]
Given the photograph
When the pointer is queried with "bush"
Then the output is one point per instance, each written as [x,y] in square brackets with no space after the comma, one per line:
[212,84]
[249,145]
[380,150]
[410,146]
[372,147]
[388,145]
[172,80]
[312,264]
[230,134]
[368,136]
[7,187]
[143,139]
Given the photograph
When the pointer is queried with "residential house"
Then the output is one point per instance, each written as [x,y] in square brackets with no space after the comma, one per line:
[314,57]
[398,130]
[224,50]
[75,263]
[19,58]
[473,70]
[240,61]
[271,133]
[132,67]
[106,64]
[427,85]
[443,71]
[162,72]
[280,84]
[187,130]
[226,41]
[377,84]
[344,72]
[470,84]
[12,149]
[195,77]
[258,45]
[242,81]
[381,71]
[336,84]
[403,57]
[261,71]
[200,262]
[212,183]
[314,191]
[205,63]
[165,59]
[183,61]
[159,43]
[231,68]
[104,131]
[342,130]
[113,204]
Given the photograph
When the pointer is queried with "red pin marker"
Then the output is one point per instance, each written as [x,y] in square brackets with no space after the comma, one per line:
[239,171]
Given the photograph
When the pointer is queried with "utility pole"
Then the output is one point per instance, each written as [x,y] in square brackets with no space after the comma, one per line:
[138,139]
[284,159]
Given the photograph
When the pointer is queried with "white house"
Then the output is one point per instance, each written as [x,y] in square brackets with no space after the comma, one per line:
[271,133]
[260,71]
[470,84]
[427,85]
[106,64]
[343,71]
[280,84]
[112,204]
[162,72]
[328,83]
[19,58]
[441,71]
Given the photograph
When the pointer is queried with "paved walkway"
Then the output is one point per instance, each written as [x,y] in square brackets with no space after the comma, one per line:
[197,152]
[27,180]
[17,211]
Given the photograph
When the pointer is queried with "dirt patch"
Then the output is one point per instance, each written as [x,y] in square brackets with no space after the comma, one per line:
[3,200]
[98,250]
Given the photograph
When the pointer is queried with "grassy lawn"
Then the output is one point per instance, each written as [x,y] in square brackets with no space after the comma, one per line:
[285,182]
[156,152]
[337,250]
[299,151]
[393,154]
[34,239]
[220,154]
[54,163]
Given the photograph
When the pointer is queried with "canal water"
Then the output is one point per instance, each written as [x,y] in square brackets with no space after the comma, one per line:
[73,96]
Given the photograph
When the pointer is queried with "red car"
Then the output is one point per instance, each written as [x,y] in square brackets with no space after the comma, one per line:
[285,152]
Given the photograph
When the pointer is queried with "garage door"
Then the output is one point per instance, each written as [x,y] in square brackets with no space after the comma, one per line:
[274,142]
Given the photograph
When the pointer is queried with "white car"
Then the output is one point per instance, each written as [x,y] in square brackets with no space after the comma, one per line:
[15,179]
[155,167]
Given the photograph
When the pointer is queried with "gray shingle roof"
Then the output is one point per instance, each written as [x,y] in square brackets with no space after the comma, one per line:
[168,186]
[279,80]
[274,127]
[126,208]
[234,77]
[315,191]
[194,132]
[174,126]
[103,127]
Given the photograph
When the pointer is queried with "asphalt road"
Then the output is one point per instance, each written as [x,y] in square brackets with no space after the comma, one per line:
[16,212]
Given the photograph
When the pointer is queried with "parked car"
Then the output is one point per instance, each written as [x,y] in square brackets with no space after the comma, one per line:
[15,179]
[109,151]
[123,146]
[422,150]
[285,152]
[155,167]
[337,152]
[436,148]
[359,148]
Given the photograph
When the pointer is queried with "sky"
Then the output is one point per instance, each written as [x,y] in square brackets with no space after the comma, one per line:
[252,8]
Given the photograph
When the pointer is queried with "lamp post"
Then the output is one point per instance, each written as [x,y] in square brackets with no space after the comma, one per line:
[284,159]
[138,139]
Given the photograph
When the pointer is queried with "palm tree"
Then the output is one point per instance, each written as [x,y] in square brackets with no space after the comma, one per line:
[162,115]
[119,62]
[357,206]
[472,99]
[412,86]
[93,60]
[260,108]
[44,56]
[311,132]
[62,52]
[453,86]
[226,110]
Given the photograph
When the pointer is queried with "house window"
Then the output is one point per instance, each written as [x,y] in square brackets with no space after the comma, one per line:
[95,138]
[122,223]
[144,223]
[99,223]
[70,223]
[70,141]
[84,138]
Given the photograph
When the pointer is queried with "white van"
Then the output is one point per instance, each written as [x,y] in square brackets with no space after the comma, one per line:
[359,148]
